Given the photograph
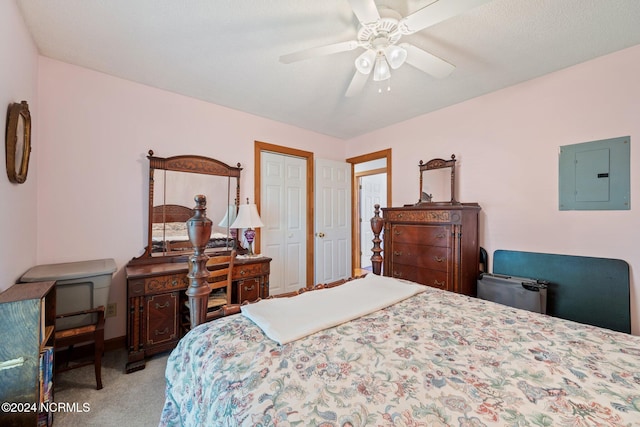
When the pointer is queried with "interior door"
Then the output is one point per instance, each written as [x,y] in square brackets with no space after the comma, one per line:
[283,205]
[373,190]
[332,220]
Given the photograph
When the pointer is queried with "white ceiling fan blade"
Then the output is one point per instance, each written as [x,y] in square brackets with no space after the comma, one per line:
[365,10]
[319,51]
[427,62]
[357,83]
[436,12]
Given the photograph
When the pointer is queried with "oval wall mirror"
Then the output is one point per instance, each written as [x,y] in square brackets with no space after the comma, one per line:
[18,142]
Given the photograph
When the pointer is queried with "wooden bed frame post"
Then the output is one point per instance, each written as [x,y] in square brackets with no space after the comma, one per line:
[376,227]
[199,229]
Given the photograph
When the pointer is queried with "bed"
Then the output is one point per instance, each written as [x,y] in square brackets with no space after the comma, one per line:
[169,230]
[435,358]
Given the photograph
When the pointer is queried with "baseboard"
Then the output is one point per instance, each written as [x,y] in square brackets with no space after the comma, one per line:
[115,343]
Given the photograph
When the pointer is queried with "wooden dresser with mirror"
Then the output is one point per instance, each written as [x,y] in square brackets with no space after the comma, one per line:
[157,280]
[433,242]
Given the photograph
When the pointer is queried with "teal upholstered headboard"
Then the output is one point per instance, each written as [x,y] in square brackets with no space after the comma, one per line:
[589,290]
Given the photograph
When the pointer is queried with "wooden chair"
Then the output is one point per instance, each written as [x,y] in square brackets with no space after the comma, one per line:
[94,332]
[220,279]
[220,289]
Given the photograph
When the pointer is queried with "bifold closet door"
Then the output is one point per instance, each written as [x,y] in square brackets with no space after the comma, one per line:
[283,208]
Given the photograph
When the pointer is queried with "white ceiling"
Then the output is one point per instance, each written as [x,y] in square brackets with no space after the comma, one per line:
[226,51]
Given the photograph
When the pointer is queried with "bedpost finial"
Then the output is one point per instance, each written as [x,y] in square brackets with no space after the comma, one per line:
[201,201]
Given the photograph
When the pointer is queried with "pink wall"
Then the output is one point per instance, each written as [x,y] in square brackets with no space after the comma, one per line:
[507,144]
[18,82]
[96,132]
[88,174]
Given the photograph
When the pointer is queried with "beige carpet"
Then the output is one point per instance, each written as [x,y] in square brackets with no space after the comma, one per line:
[134,399]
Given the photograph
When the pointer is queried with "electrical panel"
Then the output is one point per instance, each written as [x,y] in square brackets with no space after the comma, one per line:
[595,175]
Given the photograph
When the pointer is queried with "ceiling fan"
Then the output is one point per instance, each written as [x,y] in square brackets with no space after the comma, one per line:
[379,34]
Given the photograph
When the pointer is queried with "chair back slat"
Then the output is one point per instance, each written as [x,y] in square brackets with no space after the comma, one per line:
[221,268]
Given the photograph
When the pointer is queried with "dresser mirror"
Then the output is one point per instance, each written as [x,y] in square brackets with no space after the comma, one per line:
[438,181]
[173,184]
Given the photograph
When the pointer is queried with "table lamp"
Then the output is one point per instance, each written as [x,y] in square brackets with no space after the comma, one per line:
[249,219]
[227,221]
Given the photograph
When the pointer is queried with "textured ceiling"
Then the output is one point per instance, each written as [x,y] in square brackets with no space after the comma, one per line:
[227,51]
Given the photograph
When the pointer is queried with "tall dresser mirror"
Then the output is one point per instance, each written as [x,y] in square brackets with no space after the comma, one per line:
[173,183]
[438,185]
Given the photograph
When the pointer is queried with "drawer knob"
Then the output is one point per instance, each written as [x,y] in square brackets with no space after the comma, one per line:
[438,258]
[397,253]
[249,288]
[396,231]
[435,282]
[165,305]
[441,235]
[162,332]
[396,274]
[242,272]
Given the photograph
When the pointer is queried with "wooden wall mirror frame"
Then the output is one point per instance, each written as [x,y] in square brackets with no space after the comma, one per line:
[435,165]
[18,142]
[163,211]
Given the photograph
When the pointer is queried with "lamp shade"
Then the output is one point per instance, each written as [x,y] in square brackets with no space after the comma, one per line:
[396,56]
[366,61]
[248,217]
[381,71]
[229,217]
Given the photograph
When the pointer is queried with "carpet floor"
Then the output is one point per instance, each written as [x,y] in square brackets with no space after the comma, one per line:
[134,399]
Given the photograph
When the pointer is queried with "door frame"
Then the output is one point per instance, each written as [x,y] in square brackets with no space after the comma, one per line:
[355,199]
[259,147]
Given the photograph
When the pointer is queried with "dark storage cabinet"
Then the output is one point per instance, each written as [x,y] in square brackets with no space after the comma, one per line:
[433,244]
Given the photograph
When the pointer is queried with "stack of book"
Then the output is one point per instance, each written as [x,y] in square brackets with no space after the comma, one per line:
[45,418]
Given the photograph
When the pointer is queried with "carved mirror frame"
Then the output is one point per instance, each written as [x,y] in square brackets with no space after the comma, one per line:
[18,142]
[185,163]
[435,164]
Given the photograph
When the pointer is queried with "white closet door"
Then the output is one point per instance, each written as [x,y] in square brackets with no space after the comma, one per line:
[332,220]
[373,190]
[283,207]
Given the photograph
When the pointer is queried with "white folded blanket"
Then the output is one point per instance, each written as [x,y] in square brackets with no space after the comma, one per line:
[288,319]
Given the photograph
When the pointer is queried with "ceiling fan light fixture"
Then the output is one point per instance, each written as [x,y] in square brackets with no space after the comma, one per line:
[365,62]
[396,56]
[381,71]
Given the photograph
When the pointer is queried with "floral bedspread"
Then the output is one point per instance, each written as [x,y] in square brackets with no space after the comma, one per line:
[435,359]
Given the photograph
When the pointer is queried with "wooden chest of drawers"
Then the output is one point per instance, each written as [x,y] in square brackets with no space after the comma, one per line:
[156,296]
[436,245]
